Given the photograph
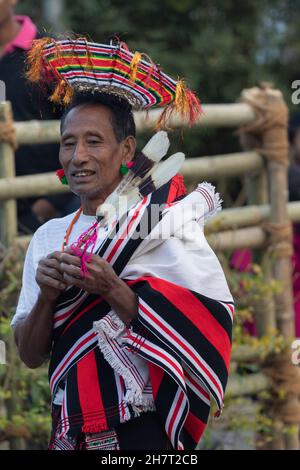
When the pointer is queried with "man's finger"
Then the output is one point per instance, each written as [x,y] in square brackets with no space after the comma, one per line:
[71,270]
[45,280]
[51,263]
[70,259]
[55,255]
[73,281]
[51,272]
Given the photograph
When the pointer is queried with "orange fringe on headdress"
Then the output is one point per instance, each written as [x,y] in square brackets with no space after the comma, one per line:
[186,104]
[62,94]
[38,71]
[35,59]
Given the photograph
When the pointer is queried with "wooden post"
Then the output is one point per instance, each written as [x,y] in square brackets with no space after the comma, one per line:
[8,209]
[256,188]
[269,136]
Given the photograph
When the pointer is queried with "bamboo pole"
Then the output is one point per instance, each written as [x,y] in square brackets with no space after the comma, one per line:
[270,132]
[292,438]
[247,216]
[247,353]
[31,186]
[251,237]
[221,166]
[282,266]
[279,215]
[195,169]
[225,115]
[256,189]
[247,385]
[37,132]
[8,209]
[216,115]
[278,442]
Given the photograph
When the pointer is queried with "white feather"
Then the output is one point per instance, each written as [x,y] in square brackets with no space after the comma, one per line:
[155,149]
[165,170]
[157,146]
[160,173]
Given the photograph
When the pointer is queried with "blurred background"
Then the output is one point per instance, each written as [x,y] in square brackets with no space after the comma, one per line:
[220,47]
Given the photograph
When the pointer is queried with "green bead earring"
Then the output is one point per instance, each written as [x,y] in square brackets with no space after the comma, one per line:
[123,169]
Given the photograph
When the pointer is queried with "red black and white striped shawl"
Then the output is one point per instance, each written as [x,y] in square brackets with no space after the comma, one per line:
[184,337]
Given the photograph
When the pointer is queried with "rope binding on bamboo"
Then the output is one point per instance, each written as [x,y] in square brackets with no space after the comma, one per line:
[268,133]
[284,377]
[8,131]
[279,240]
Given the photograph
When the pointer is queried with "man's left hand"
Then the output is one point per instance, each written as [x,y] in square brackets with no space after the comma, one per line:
[100,279]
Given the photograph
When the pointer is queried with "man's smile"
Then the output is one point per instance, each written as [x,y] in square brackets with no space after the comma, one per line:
[83,175]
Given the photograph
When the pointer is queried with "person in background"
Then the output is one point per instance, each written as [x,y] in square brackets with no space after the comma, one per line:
[28,103]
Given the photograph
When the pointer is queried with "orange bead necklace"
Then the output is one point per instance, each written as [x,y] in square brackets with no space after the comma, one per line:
[70,228]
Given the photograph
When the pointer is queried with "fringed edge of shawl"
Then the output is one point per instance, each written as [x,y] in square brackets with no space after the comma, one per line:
[134,395]
[217,201]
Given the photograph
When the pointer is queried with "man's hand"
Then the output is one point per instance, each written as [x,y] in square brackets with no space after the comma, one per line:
[49,276]
[101,278]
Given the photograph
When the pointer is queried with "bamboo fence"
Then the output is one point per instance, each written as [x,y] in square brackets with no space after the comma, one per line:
[266,188]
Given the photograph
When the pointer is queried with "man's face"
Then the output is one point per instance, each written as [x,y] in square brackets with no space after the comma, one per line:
[6,8]
[90,153]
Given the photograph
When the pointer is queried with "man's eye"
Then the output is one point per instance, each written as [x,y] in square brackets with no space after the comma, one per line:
[68,144]
[93,142]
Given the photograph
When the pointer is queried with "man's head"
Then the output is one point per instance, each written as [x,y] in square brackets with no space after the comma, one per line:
[97,136]
[6,9]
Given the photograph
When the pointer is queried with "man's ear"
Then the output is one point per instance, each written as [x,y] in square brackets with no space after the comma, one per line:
[129,147]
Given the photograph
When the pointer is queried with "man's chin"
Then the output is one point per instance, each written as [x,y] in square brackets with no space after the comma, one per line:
[85,190]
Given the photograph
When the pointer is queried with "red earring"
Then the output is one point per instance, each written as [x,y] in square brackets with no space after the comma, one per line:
[61,175]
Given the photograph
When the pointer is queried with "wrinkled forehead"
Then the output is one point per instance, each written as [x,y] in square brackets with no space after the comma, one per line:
[87,116]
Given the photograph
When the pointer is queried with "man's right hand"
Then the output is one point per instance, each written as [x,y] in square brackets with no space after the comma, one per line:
[50,277]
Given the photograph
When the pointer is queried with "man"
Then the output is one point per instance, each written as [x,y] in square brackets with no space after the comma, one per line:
[137,329]
[16,36]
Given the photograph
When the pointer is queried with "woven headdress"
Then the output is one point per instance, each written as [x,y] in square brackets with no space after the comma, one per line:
[75,65]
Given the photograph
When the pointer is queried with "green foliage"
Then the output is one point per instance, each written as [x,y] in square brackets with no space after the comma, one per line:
[24,393]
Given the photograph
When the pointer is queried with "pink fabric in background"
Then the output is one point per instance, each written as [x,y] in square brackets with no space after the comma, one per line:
[296,282]
[241,261]
[24,38]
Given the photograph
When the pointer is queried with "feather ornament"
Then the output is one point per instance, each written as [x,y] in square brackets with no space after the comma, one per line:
[146,175]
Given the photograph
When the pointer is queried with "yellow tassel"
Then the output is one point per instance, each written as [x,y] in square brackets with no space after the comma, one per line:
[35,59]
[134,66]
[58,92]
[181,100]
[68,95]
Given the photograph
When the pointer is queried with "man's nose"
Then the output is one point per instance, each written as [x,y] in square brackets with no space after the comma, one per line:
[80,154]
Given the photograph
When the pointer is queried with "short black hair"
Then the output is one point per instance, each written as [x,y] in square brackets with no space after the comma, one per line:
[121,111]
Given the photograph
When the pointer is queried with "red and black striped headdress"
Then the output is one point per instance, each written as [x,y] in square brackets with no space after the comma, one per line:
[76,64]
